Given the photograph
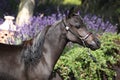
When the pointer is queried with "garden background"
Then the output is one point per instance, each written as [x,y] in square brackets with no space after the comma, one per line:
[102,18]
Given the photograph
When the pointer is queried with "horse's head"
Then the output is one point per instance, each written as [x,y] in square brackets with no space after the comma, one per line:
[78,33]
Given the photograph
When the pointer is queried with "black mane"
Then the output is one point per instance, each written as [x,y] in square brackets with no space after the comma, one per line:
[31,54]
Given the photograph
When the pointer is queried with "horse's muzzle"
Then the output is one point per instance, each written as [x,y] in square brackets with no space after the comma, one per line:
[95,44]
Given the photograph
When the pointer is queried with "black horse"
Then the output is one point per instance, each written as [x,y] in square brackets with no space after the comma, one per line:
[35,59]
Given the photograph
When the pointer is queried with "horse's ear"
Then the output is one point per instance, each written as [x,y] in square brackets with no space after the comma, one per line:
[72,11]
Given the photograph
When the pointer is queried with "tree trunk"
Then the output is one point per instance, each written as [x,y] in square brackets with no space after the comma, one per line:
[25,12]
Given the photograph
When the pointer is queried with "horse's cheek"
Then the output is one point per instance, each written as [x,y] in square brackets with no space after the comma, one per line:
[71,37]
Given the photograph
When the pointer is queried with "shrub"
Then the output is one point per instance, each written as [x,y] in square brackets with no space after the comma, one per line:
[77,61]
[39,22]
[97,24]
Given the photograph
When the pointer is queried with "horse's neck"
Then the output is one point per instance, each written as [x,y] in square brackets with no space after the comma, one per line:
[55,42]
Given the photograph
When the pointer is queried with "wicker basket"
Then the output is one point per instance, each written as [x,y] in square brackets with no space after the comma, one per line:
[7,31]
[6,37]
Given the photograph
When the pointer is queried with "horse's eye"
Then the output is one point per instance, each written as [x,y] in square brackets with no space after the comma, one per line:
[77,26]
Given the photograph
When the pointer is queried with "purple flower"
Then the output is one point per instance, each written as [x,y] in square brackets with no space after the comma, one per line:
[96,24]
[37,23]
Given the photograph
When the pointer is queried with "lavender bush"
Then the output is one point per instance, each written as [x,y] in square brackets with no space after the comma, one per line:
[94,23]
[97,24]
[37,23]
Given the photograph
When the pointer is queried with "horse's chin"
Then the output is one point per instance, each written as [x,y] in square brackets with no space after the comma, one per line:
[93,47]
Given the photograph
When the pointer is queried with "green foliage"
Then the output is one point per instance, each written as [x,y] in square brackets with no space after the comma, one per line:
[64,2]
[8,7]
[78,62]
[73,2]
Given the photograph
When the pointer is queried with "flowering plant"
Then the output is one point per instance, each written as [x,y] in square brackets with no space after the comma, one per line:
[37,23]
